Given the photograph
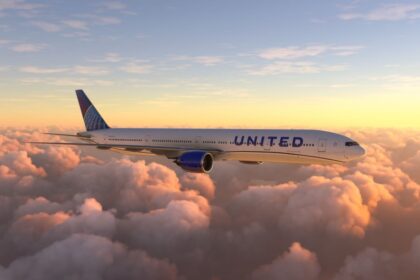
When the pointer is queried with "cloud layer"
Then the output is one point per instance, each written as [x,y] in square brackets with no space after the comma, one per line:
[65,213]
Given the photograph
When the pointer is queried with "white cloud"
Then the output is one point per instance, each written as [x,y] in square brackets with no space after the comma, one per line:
[112,57]
[309,51]
[397,81]
[208,60]
[297,264]
[390,12]
[114,5]
[136,68]
[293,52]
[346,50]
[79,34]
[76,24]
[26,47]
[68,82]
[46,26]
[107,20]
[100,20]
[90,70]
[83,70]
[297,67]
[88,20]
[38,70]
[4,42]
[203,60]
[18,5]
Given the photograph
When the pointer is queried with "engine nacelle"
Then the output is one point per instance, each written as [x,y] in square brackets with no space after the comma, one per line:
[196,161]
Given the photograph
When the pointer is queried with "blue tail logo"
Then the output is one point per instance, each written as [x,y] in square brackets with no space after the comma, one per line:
[92,118]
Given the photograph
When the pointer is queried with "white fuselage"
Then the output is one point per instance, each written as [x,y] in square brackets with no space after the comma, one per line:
[249,146]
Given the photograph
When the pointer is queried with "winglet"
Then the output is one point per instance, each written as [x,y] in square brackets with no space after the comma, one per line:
[91,117]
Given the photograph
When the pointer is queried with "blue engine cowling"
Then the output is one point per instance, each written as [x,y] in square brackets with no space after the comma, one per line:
[196,161]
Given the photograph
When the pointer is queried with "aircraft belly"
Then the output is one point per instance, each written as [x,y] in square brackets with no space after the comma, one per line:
[273,157]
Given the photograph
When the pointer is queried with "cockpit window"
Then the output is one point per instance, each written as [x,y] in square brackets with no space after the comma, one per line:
[351,143]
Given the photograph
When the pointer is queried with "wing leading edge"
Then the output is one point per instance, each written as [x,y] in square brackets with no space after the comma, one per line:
[160,150]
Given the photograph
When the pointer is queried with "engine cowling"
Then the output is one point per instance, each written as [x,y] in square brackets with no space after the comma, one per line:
[196,161]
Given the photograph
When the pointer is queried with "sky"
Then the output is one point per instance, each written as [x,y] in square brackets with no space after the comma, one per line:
[259,64]
[83,213]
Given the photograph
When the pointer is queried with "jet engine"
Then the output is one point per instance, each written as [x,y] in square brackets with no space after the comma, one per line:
[196,161]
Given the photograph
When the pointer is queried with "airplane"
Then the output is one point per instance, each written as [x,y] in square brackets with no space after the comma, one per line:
[196,150]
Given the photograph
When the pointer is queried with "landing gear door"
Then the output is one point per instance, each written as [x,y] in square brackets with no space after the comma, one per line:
[322,145]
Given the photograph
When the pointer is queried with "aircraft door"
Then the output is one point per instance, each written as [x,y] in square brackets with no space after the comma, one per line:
[322,145]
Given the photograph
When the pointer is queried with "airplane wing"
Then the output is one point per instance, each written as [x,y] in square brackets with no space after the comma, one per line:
[66,135]
[170,152]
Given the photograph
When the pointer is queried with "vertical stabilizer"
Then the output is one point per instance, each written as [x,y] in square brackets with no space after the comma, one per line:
[91,117]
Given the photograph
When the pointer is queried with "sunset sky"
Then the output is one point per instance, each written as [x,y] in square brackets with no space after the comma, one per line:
[75,212]
[315,64]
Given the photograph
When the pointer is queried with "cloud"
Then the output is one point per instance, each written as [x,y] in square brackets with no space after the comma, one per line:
[114,5]
[68,81]
[398,81]
[28,48]
[372,263]
[163,230]
[46,26]
[292,52]
[309,51]
[38,70]
[102,20]
[4,42]
[389,12]
[335,205]
[64,211]
[76,24]
[294,67]
[297,264]
[79,69]
[18,5]
[136,68]
[89,257]
[411,165]
[200,182]
[90,70]
[203,60]
[110,57]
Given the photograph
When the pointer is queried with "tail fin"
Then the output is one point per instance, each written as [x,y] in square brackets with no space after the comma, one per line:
[93,120]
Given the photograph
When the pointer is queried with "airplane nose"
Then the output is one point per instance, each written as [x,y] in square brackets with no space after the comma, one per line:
[360,152]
